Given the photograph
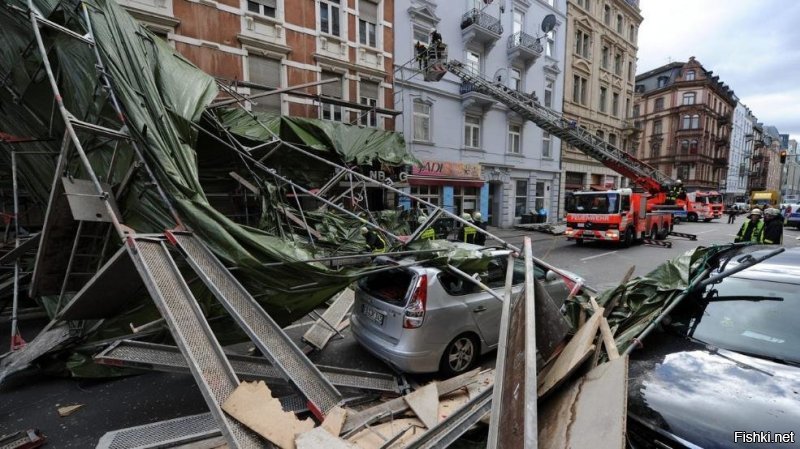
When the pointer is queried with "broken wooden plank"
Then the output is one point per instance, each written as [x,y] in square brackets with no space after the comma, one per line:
[318,437]
[247,184]
[613,301]
[253,405]
[321,331]
[398,405]
[574,354]
[334,420]
[292,217]
[424,402]
[589,413]
[68,410]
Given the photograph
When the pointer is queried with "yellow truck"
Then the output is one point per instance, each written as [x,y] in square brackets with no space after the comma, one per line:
[765,198]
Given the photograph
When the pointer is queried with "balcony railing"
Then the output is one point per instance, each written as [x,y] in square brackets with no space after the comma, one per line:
[524,40]
[724,120]
[477,17]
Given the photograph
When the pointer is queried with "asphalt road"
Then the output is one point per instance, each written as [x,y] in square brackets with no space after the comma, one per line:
[32,401]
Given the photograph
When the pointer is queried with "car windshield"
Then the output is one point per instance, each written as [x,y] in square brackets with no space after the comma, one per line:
[750,316]
[594,203]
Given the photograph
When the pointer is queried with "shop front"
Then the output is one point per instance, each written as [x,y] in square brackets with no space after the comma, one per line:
[457,187]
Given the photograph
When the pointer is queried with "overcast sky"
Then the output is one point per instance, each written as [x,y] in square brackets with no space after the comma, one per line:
[753,45]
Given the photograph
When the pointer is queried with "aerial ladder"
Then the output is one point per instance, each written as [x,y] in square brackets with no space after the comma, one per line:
[655,183]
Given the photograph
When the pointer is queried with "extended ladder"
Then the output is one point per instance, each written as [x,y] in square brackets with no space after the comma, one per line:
[644,175]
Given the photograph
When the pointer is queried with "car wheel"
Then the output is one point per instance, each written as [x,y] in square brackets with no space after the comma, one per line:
[460,355]
[676,220]
[628,239]
[662,234]
[692,217]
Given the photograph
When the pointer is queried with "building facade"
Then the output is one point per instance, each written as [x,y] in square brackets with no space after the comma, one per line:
[773,147]
[253,44]
[477,154]
[792,184]
[686,116]
[600,74]
[741,149]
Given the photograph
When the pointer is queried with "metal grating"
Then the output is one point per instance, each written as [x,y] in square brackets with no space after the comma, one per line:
[162,434]
[321,331]
[208,364]
[260,327]
[136,354]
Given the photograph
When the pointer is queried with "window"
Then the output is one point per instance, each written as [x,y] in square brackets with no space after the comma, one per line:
[472,131]
[550,47]
[420,35]
[657,127]
[585,4]
[604,58]
[683,172]
[547,151]
[579,89]
[265,72]
[615,104]
[333,90]
[631,33]
[636,111]
[430,194]
[687,122]
[618,64]
[607,15]
[369,97]
[329,17]
[603,98]
[659,104]
[518,21]
[612,139]
[630,71]
[627,108]
[619,23]
[263,7]
[465,199]
[695,121]
[662,81]
[473,61]
[601,135]
[693,146]
[582,43]
[549,85]
[367,23]
[521,198]
[539,196]
[422,121]
[684,146]
[655,149]
[689,76]
[516,80]
[514,141]
[689,97]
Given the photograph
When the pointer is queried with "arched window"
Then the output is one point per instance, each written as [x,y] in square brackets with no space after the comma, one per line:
[619,23]
[684,146]
[689,98]
[687,122]
[695,121]
[689,75]
[607,15]
[693,146]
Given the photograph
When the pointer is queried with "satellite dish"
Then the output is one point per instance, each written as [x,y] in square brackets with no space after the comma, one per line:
[549,23]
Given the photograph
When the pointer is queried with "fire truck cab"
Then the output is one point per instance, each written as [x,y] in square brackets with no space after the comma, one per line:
[615,215]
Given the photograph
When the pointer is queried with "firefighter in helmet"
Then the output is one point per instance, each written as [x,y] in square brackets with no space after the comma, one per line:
[752,230]
[375,241]
[467,232]
[480,237]
[773,227]
[428,233]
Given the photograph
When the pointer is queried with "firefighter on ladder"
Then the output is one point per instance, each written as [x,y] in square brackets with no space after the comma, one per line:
[375,242]
[752,230]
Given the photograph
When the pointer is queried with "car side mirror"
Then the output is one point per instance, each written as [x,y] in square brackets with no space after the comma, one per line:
[551,276]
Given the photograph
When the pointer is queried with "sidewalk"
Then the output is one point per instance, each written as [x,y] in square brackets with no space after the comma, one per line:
[512,235]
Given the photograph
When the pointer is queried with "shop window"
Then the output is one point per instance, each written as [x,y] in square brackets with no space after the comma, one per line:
[521,198]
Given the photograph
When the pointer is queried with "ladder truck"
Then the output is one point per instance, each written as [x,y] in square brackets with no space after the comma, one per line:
[620,215]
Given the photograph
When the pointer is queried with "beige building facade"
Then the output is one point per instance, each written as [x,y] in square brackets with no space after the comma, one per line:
[599,86]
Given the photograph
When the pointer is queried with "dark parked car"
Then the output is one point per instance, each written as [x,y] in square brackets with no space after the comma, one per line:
[725,371]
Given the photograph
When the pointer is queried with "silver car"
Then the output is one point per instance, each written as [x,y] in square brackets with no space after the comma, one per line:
[422,319]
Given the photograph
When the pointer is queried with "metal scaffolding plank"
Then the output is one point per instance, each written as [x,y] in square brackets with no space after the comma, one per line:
[24,246]
[451,428]
[49,338]
[207,362]
[259,326]
[157,357]
[322,331]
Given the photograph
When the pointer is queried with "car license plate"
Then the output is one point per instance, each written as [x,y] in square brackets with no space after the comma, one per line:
[580,225]
[372,313]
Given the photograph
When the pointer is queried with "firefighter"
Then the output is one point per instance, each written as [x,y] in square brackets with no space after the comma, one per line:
[732,213]
[480,237]
[676,192]
[422,54]
[752,230]
[375,242]
[429,233]
[773,227]
[467,233]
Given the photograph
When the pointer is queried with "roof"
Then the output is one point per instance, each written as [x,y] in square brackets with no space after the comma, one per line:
[784,267]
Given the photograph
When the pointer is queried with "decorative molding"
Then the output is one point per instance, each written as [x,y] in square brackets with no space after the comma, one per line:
[424,14]
[266,47]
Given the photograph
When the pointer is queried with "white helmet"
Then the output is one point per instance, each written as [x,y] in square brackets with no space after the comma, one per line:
[466,216]
[756,211]
[422,219]
[476,216]
[364,230]
[772,212]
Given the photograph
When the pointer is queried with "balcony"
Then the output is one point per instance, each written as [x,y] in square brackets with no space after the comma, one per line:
[720,161]
[721,141]
[757,157]
[524,48]
[471,98]
[724,120]
[685,157]
[480,28]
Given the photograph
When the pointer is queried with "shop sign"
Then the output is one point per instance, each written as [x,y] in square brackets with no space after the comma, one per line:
[448,169]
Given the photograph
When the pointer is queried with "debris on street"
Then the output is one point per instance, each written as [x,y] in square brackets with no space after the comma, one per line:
[68,409]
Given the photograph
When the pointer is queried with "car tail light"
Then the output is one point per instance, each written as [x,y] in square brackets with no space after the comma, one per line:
[415,312]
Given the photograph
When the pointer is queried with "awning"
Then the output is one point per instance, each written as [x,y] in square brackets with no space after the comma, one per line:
[762,196]
[435,181]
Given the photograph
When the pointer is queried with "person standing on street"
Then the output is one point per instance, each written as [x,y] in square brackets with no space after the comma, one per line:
[731,213]
[467,232]
[752,230]
[773,227]
[480,237]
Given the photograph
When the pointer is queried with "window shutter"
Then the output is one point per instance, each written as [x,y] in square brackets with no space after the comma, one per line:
[264,71]
[332,89]
[369,89]
[368,11]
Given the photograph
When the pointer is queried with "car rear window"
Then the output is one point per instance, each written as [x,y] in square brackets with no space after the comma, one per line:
[390,286]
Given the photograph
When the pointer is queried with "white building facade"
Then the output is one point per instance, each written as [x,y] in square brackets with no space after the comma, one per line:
[740,151]
[477,154]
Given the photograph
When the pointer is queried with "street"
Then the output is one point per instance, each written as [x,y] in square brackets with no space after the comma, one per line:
[31,402]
